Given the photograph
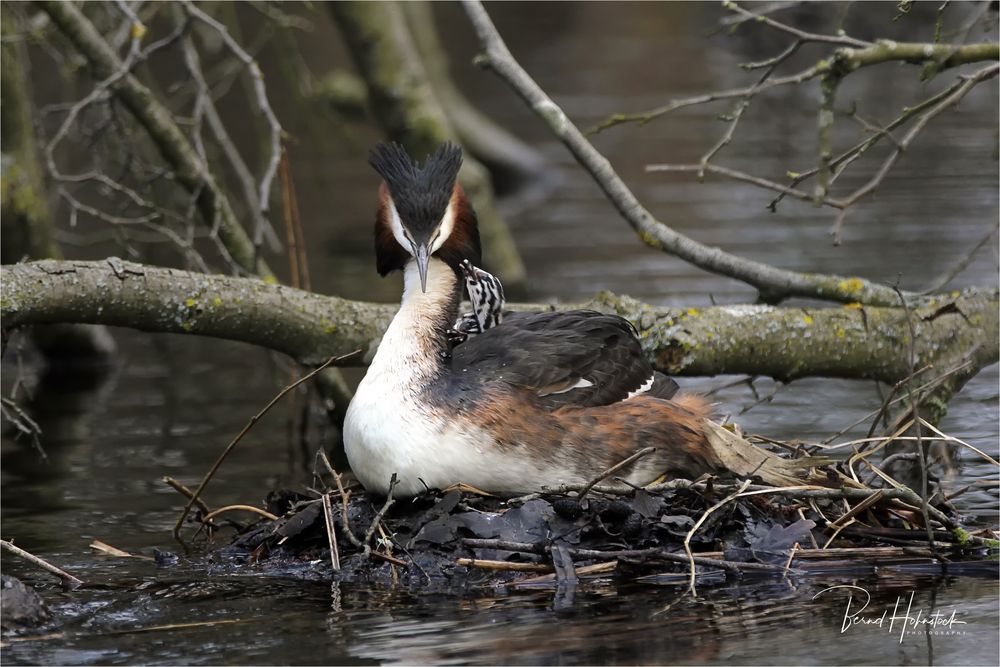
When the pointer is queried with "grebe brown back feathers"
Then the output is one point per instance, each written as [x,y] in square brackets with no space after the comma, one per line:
[538,400]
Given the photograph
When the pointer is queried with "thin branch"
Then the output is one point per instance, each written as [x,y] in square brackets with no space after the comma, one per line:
[934,58]
[106,549]
[888,401]
[868,188]
[503,565]
[613,469]
[898,492]
[148,221]
[23,422]
[159,124]
[914,403]
[186,492]
[262,100]
[773,283]
[67,578]
[839,163]
[939,21]
[861,507]
[697,525]
[769,8]
[646,116]
[655,553]
[331,533]
[801,35]
[98,92]
[389,501]
[345,498]
[842,61]
[949,438]
[241,508]
[961,264]
[744,103]
[294,235]
[235,441]
[744,177]
[870,127]
[962,32]
[767,398]
[878,414]
[243,175]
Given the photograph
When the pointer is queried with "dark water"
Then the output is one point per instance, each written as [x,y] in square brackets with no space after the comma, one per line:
[173,403]
[285,621]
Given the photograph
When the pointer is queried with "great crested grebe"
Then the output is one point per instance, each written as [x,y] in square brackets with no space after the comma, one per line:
[537,400]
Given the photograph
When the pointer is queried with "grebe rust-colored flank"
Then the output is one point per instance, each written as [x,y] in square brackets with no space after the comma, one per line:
[531,401]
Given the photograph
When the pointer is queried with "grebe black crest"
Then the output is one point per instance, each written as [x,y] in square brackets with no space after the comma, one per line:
[418,210]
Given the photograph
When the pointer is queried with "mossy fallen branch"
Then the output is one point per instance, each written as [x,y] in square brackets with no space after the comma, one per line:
[785,343]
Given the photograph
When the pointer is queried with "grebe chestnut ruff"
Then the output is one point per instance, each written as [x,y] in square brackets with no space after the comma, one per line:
[531,400]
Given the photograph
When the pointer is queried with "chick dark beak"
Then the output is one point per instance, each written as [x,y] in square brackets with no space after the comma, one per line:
[423,257]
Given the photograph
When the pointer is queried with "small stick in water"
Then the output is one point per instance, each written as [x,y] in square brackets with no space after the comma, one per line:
[67,578]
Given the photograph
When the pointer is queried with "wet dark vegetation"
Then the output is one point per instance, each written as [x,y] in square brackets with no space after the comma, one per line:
[457,538]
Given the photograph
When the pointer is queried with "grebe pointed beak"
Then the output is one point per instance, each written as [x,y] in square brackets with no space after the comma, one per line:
[423,257]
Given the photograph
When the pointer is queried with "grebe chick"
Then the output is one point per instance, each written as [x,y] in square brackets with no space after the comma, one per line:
[486,295]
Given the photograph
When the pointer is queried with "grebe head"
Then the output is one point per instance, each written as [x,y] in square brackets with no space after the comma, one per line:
[423,211]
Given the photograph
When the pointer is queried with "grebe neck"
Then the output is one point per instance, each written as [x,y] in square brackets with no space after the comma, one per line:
[416,344]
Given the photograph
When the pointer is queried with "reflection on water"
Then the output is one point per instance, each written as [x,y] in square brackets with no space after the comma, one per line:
[174,402]
[786,622]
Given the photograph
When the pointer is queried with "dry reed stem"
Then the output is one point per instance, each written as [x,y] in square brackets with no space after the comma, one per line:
[613,469]
[345,498]
[186,492]
[108,550]
[243,508]
[503,565]
[331,533]
[697,525]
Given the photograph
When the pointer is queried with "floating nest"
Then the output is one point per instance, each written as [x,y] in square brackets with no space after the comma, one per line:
[827,518]
[681,532]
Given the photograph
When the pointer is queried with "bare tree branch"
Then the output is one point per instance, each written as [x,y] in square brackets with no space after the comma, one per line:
[801,35]
[646,116]
[961,264]
[744,177]
[935,57]
[264,104]
[189,169]
[741,106]
[839,163]
[853,55]
[773,283]
[218,128]
[868,188]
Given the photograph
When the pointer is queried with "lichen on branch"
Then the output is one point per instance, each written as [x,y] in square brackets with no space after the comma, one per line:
[847,341]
